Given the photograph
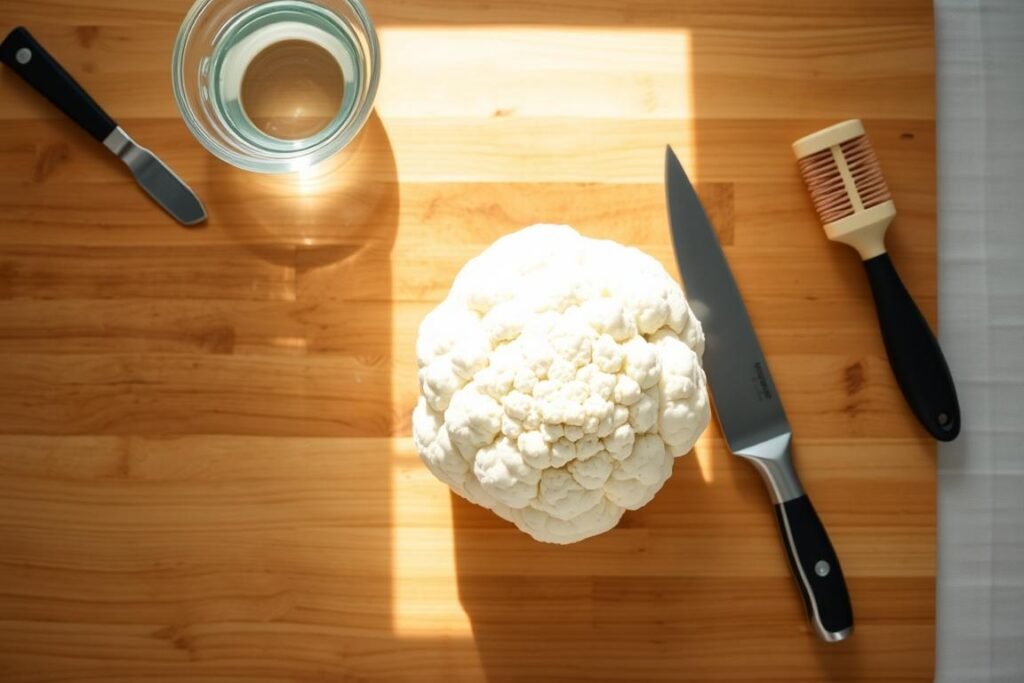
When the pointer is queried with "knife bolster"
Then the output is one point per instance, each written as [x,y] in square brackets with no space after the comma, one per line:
[772,459]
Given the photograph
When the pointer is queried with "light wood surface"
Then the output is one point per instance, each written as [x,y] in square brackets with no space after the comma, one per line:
[205,468]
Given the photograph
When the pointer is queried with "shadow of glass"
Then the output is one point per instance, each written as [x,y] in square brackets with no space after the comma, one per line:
[326,213]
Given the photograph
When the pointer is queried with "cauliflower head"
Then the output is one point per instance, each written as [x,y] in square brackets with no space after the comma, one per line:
[558,381]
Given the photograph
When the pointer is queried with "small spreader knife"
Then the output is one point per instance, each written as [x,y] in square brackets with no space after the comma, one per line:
[27,58]
[748,407]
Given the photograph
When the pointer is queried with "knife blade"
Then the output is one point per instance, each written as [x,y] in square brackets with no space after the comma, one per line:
[748,407]
[22,53]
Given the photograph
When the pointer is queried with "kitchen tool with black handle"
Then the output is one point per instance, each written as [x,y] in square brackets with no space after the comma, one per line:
[852,199]
[748,407]
[23,54]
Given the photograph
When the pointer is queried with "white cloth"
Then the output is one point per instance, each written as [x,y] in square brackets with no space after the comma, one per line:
[980,62]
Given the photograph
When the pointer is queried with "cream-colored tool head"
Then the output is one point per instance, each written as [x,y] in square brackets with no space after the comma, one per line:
[846,184]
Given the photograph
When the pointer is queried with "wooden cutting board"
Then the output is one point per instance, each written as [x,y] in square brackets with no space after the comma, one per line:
[206,469]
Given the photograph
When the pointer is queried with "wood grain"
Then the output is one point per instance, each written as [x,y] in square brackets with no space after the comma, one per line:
[205,465]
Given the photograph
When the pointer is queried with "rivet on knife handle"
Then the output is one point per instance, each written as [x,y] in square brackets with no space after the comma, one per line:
[26,57]
[816,568]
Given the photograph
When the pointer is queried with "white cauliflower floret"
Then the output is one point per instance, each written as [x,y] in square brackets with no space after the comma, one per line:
[558,381]
[473,419]
[502,472]
[470,354]
[562,497]
[642,362]
[435,447]
[684,413]
[647,463]
[586,447]
[562,451]
[439,383]
[620,442]
[535,448]
[627,391]
[608,316]
[607,353]
[504,322]
[643,415]
[593,472]
[544,527]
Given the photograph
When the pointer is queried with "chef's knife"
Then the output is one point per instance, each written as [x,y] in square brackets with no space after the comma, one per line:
[748,407]
[27,58]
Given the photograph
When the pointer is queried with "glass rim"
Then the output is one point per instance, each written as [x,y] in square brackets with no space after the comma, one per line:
[285,161]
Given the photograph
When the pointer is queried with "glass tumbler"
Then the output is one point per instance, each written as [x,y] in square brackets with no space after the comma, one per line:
[276,86]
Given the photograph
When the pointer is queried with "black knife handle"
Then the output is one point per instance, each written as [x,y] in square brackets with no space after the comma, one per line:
[816,568]
[914,354]
[26,57]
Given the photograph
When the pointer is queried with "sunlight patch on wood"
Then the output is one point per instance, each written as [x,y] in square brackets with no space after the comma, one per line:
[509,105]
[424,571]
[705,453]
[533,71]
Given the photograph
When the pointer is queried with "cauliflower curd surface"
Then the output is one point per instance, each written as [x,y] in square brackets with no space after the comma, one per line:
[558,381]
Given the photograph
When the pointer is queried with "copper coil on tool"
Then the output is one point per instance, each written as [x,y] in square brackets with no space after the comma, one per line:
[832,199]
[866,171]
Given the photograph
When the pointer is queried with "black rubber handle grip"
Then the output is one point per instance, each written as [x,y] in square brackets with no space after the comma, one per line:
[914,354]
[816,568]
[26,57]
